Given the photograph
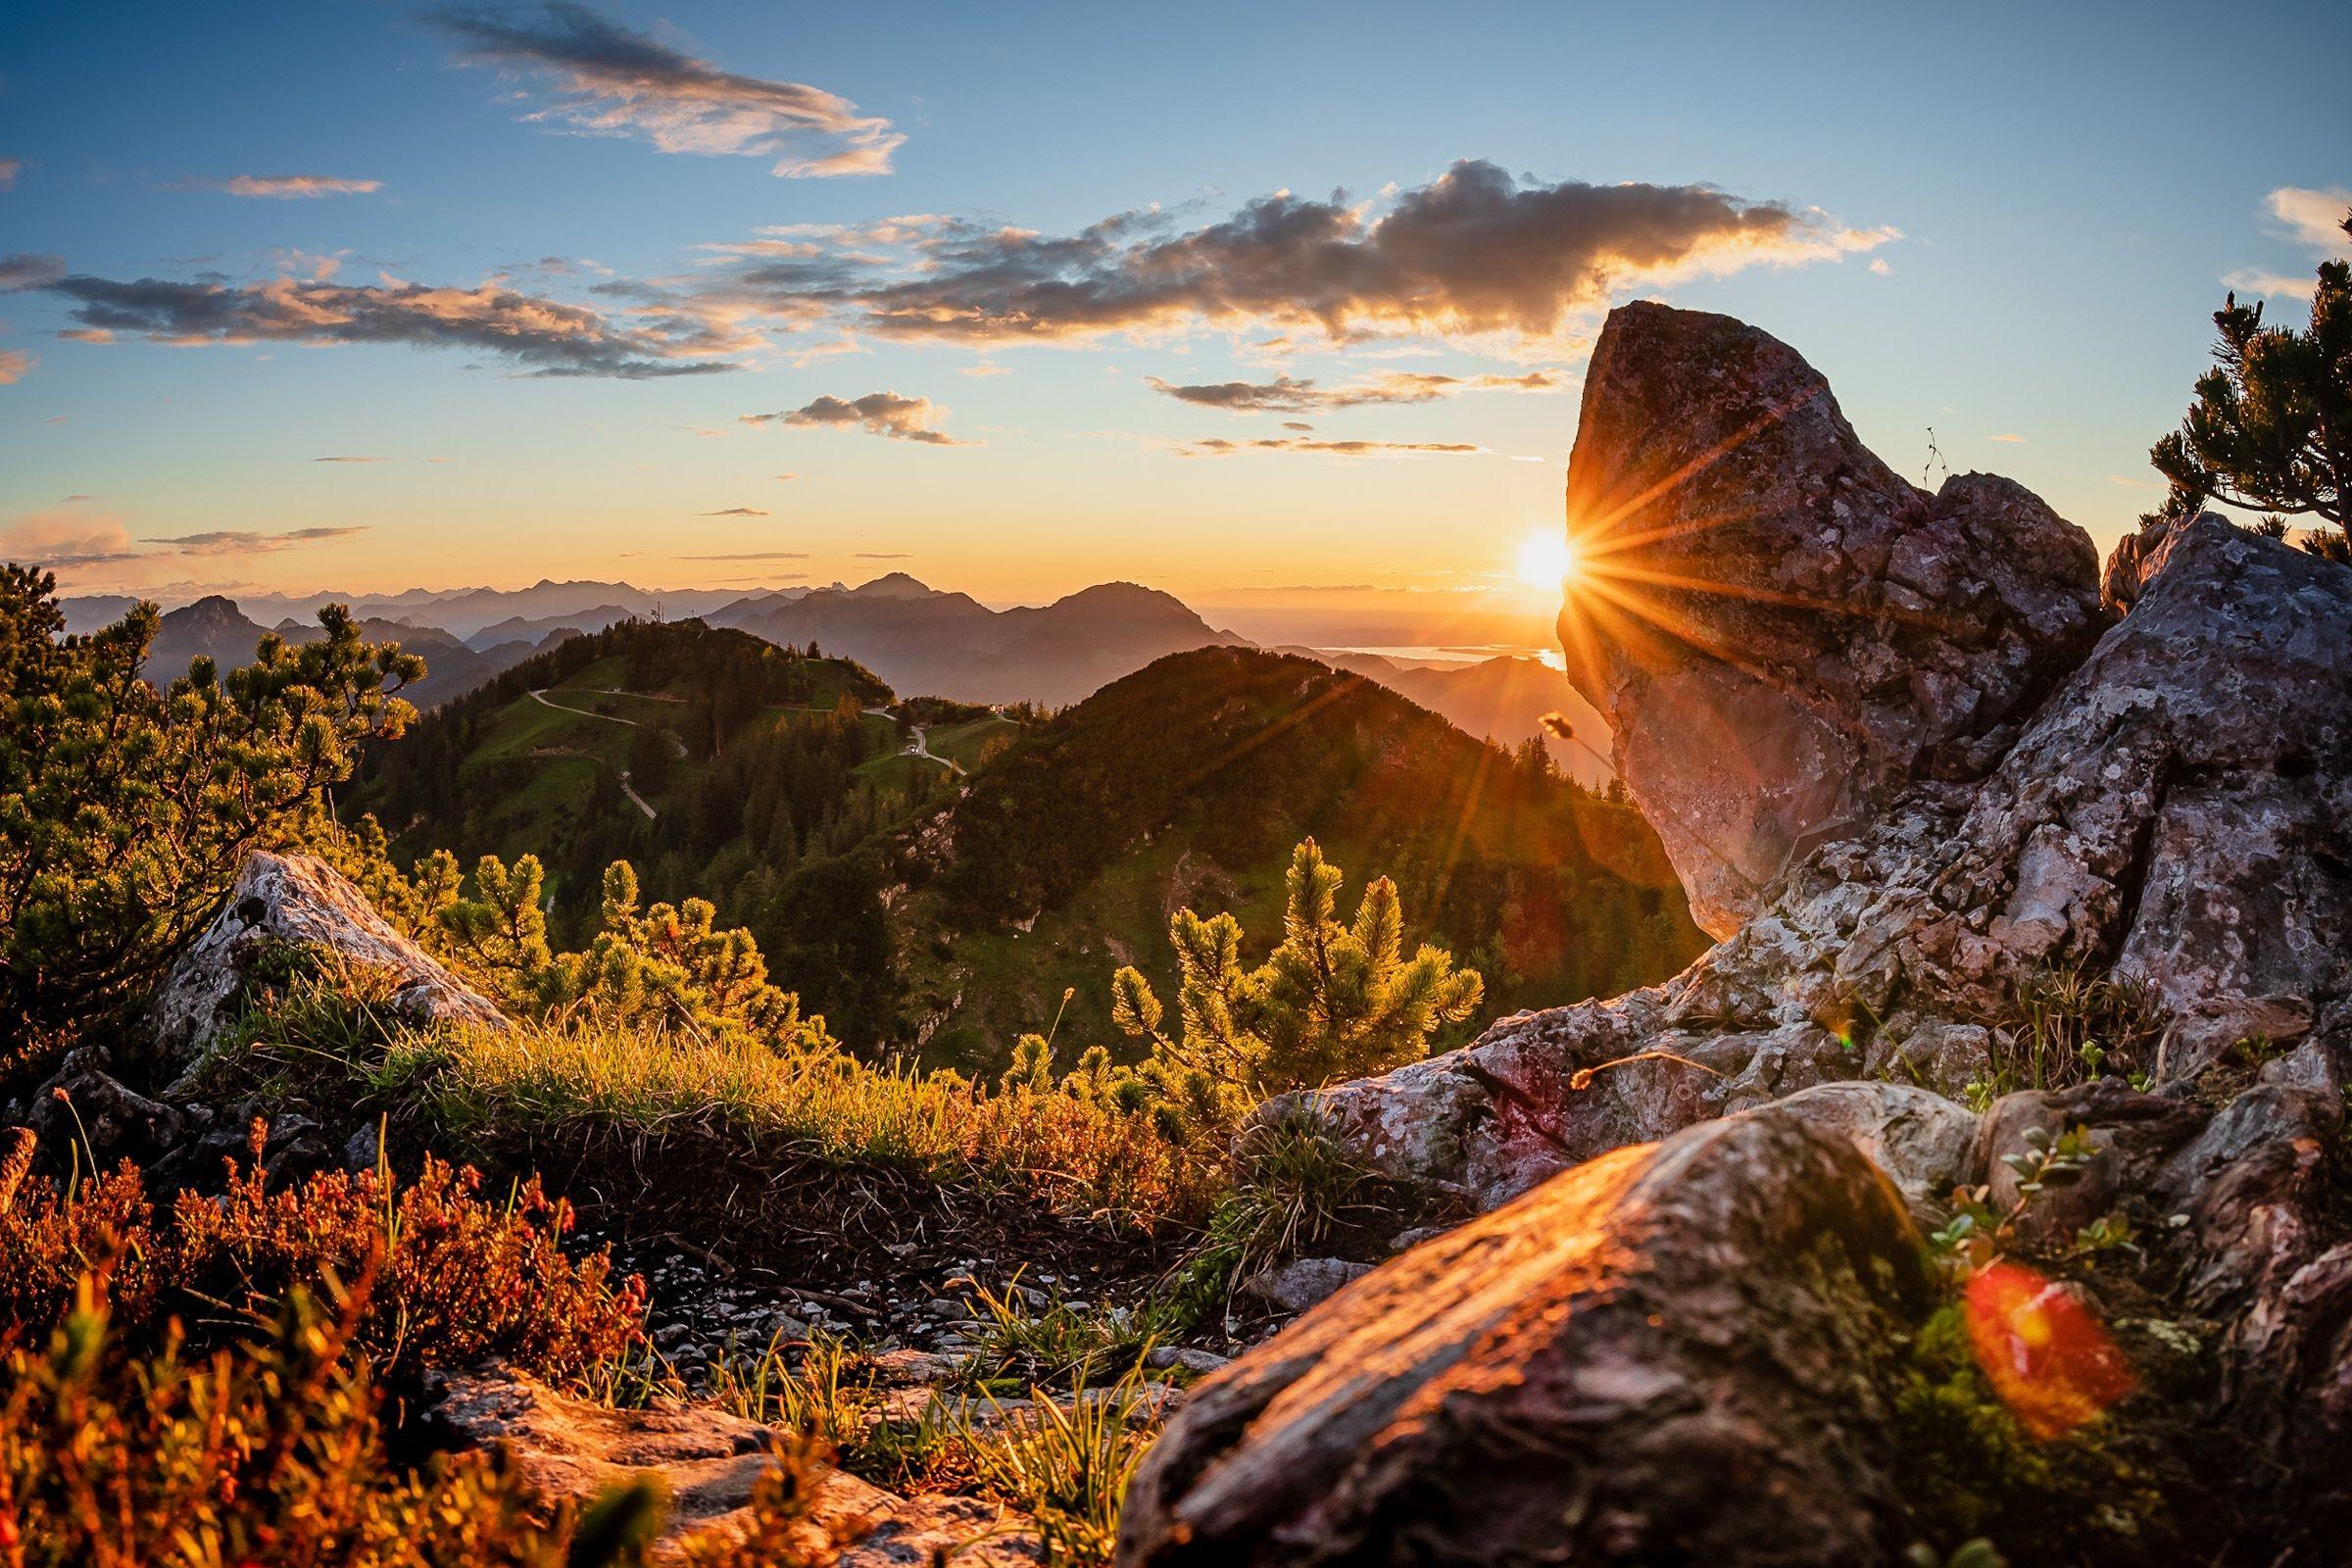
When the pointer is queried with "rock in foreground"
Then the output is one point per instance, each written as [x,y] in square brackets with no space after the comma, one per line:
[1578,1377]
[707,1462]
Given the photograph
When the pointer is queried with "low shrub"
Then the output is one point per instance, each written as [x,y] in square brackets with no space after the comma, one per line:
[448,1271]
[272,1449]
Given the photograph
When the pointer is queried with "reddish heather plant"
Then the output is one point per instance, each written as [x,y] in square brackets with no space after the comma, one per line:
[449,1271]
[271,1450]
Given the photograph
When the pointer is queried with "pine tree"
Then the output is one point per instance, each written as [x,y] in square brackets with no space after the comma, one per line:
[1331,1002]
[2271,429]
[126,809]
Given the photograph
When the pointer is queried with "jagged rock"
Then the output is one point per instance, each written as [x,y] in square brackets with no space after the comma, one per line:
[299,901]
[1302,1282]
[2136,560]
[1836,631]
[2175,813]
[1680,1353]
[708,1461]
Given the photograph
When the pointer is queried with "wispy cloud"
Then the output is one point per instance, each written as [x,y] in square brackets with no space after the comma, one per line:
[1474,254]
[2014,440]
[1289,395]
[545,336]
[882,555]
[9,168]
[733,512]
[2315,218]
[752,555]
[343,457]
[248,542]
[288,187]
[15,365]
[884,413]
[2310,217]
[62,538]
[602,78]
[23,269]
[1219,447]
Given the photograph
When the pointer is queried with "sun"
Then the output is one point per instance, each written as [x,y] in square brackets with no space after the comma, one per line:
[1547,560]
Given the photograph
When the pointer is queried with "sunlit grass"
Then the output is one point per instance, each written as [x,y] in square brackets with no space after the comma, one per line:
[483,1087]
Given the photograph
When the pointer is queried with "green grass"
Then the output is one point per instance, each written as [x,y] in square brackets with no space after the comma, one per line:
[967,744]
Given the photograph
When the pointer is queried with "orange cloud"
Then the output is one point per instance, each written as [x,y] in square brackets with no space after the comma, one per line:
[290,187]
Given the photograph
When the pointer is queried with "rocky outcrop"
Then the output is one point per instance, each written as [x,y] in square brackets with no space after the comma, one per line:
[2162,814]
[1782,633]
[1583,1376]
[707,1462]
[299,905]
[2174,815]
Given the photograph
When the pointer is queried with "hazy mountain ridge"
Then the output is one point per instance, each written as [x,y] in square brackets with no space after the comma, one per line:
[915,637]
[922,639]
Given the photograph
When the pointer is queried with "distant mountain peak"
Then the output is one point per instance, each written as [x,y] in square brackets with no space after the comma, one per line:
[895,585]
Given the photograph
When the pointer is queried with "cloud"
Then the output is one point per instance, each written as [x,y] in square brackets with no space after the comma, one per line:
[1218,447]
[546,336]
[2316,217]
[2259,280]
[351,458]
[9,168]
[752,555]
[984,368]
[1879,265]
[2014,440]
[1474,254]
[884,413]
[288,187]
[2311,218]
[15,363]
[733,512]
[23,271]
[59,540]
[607,80]
[1288,395]
[246,542]
[882,555]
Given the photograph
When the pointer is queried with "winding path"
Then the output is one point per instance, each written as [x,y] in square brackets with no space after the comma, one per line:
[626,788]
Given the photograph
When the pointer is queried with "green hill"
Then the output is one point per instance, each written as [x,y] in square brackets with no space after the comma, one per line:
[1189,782]
[726,740]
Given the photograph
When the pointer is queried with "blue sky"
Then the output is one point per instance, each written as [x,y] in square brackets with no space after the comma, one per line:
[2071,185]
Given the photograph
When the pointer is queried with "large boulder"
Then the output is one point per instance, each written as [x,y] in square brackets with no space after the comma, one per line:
[1593,1374]
[2174,815]
[1782,633]
[298,905]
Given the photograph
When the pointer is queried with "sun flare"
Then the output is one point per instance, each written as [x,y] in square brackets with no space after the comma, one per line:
[1547,560]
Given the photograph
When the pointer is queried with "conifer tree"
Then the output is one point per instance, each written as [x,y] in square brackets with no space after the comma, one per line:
[1331,1002]
[2271,429]
[128,806]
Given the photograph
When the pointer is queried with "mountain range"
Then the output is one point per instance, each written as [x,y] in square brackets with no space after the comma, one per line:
[917,638]
[920,639]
